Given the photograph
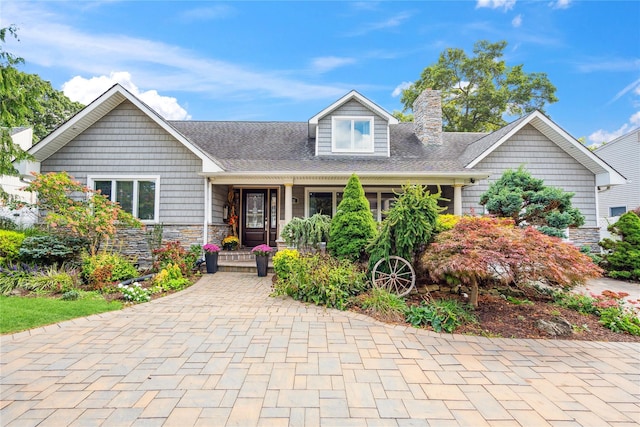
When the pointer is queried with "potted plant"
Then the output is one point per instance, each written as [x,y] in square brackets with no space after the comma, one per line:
[211,257]
[230,243]
[262,258]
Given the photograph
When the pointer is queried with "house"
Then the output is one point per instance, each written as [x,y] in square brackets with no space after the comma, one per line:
[623,154]
[23,137]
[204,179]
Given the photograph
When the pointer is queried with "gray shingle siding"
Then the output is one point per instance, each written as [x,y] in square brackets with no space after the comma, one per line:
[543,159]
[126,142]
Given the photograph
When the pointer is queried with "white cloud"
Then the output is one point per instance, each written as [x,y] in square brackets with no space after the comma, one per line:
[86,90]
[496,4]
[402,86]
[517,21]
[601,135]
[633,87]
[217,11]
[560,4]
[328,63]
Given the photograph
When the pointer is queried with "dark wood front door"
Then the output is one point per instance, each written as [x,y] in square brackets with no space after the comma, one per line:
[260,217]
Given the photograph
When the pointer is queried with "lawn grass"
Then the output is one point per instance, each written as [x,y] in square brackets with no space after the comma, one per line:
[22,313]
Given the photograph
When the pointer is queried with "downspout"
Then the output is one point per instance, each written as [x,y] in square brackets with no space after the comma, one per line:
[207,211]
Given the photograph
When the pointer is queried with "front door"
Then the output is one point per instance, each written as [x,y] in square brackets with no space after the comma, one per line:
[259,214]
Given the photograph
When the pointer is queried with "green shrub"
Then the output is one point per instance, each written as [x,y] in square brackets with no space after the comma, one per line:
[51,249]
[71,295]
[622,260]
[409,226]
[13,276]
[383,305]
[174,253]
[51,280]
[620,320]
[284,262]
[580,303]
[307,233]
[104,268]
[443,315]
[322,280]
[353,226]
[10,242]
[135,293]
[170,279]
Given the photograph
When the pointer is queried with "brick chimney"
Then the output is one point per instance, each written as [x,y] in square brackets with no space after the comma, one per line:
[427,117]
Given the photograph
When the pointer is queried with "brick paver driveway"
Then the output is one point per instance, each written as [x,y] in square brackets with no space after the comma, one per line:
[224,353]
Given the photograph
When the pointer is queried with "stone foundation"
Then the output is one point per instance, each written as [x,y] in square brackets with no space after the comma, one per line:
[586,236]
[133,242]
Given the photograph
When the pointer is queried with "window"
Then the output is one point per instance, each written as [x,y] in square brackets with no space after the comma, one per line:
[326,201]
[352,134]
[617,210]
[138,196]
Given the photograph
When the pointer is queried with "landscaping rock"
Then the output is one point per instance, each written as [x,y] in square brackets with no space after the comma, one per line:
[556,326]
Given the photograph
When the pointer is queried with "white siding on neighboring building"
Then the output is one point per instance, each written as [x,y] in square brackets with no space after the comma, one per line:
[126,142]
[543,159]
[353,108]
[623,154]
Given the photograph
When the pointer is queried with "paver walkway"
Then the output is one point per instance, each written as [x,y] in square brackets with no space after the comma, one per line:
[224,353]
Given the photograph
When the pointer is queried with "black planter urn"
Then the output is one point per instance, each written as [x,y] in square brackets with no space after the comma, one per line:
[262,263]
[211,259]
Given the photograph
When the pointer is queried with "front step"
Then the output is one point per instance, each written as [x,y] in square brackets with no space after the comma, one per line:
[240,261]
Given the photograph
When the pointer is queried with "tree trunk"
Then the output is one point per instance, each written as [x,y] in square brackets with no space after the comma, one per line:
[473,298]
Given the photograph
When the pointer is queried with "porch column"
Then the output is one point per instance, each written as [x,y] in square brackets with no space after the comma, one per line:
[288,202]
[457,199]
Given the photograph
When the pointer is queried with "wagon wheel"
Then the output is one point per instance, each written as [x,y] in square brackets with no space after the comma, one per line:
[395,275]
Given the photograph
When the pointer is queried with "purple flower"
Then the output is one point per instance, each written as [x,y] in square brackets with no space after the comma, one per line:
[210,247]
[262,250]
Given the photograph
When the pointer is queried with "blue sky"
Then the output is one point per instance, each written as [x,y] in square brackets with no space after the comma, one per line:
[286,61]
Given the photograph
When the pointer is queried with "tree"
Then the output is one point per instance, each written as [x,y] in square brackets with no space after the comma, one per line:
[622,259]
[478,90]
[81,211]
[409,226]
[527,201]
[353,225]
[484,251]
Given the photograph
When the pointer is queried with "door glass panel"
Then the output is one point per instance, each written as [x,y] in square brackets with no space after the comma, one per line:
[255,210]
[124,195]
[373,204]
[274,210]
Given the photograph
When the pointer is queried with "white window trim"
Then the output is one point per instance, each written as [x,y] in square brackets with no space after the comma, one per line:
[156,178]
[334,119]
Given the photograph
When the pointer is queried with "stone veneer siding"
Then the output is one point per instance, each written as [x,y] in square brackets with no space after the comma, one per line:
[132,242]
[586,236]
[427,117]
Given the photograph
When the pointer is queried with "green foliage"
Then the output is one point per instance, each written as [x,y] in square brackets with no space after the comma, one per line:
[54,279]
[619,320]
[446,222]
[526,200]
[307,233]
[285,262]
[443,315]
[19,314]
[353,226]
[409,226]
[622,259]
[48,249]
[71,295]
[383,305]
[174,253]
[10,242]
[478,90]
[106,267]
[322,280]
[153,236]
[170,279]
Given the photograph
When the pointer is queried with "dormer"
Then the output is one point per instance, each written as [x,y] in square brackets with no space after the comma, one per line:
[352,126]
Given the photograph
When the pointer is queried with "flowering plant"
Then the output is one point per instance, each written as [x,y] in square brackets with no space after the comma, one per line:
[210,248]
[135,292]
[262,250]
[230,242]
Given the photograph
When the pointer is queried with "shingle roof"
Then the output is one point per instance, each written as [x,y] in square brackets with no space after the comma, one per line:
[286,147]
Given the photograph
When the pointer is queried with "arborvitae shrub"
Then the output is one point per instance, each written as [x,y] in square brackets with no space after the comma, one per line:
[622,259]
[353,225]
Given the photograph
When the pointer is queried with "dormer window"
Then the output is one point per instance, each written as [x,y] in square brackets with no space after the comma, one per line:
[352,134]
